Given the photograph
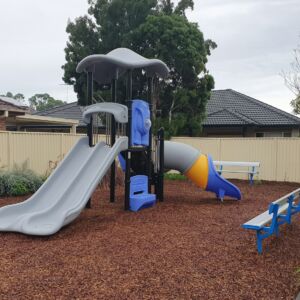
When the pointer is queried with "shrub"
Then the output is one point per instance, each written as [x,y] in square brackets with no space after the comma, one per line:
[174,176]
[19,182]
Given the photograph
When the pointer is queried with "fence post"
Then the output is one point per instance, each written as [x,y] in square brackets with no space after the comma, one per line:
[61,145]
[9,152]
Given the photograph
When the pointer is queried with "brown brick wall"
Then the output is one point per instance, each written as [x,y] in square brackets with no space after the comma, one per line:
[2,123]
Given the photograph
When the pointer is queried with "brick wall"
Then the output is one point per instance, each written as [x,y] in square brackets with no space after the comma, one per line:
[2,123]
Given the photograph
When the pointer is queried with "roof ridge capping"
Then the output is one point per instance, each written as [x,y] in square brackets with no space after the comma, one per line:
[273,108]
[232,112]
[106,67]
[55,108]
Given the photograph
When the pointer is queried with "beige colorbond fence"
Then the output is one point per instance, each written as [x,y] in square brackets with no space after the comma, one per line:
[279,157]
[40,151]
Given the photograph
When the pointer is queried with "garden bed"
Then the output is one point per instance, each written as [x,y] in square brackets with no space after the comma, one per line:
[189,247]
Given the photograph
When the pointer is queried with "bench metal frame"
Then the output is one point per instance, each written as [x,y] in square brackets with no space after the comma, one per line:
[252,168]
[280,212]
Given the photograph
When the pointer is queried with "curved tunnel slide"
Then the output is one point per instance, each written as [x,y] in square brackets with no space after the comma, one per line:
[199,168]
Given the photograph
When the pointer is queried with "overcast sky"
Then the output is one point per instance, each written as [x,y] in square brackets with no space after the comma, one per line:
[255,41]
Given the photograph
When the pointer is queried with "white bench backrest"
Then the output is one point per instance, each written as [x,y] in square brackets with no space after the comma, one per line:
[284,199]
[236,163]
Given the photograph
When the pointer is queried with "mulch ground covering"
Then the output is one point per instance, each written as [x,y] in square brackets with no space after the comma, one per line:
[189,247]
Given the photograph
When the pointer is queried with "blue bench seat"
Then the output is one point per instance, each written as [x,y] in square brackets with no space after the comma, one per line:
[279,212]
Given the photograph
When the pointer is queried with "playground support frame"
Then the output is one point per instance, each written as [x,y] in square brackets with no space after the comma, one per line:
[160,175]
[128,133]
[90,125]
[112,141]
[149,148]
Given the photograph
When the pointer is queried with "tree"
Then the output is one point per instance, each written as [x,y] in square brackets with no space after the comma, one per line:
[19,97]
[181,45]
[41,102]
[292,80]
[152,28]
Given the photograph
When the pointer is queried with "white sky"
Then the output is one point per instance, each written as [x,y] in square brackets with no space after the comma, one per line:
[255,41]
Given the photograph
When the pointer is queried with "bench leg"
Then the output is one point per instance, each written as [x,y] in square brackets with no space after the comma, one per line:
[252,175]
[276,229]
[259,242]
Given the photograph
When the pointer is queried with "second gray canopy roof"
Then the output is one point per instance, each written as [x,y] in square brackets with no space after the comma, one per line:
[106,67]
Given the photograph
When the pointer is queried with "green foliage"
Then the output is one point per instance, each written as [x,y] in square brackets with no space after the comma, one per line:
[296,105]
[152,28]
[292,80]
[174,176]
[19,182]
[41,102]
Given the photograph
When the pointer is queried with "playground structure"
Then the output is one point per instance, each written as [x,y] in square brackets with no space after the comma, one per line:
[128,134]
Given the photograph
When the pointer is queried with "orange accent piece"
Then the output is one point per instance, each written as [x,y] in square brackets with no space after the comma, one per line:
[198,172]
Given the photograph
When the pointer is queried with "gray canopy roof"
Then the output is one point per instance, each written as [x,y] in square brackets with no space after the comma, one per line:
[106,67]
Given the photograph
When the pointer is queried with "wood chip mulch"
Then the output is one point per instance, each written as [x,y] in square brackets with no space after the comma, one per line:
[189,247]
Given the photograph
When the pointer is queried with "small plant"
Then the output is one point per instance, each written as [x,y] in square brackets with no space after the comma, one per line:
[257,182]
[119,179]
[174,176]
[52,164]
[19,181]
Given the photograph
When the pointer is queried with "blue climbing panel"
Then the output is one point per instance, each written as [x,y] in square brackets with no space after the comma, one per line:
[141,123]
[139,196]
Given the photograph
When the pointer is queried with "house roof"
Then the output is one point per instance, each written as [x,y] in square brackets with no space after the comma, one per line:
[13,102]
[67,111]
[225,108]
[231,108]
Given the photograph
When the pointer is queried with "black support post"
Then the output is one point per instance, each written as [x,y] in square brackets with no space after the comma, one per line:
[90,125]
[160,177]
[90,102]
[128,133]
[112,141]
[149,148]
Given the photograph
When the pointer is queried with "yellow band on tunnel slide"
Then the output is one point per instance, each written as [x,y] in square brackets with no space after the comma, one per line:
[198,172]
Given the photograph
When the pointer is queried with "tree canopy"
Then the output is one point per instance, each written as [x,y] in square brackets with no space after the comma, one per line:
[292,80]
[151,28]
[41,102]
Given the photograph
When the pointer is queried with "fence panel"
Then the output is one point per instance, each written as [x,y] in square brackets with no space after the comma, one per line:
[279,157]
[288,160]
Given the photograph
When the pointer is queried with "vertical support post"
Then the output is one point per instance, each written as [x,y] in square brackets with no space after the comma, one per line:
[90,102]
[128,133]
[90,125]
[149,149]
[252,175]
[161,139]
[112,141]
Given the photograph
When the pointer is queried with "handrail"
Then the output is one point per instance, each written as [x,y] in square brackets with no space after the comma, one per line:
[119,111]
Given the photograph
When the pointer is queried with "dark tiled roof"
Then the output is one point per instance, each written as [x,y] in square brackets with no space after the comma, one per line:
[66,111]
[228,107]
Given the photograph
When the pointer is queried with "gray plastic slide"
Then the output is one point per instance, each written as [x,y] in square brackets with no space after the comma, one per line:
[64,195]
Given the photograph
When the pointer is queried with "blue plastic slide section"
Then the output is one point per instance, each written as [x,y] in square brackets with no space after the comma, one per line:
[140,123]
[220,185]
[122,162]
[139,196]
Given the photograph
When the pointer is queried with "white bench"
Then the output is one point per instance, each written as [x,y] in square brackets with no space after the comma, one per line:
[250,168]
[279,212]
